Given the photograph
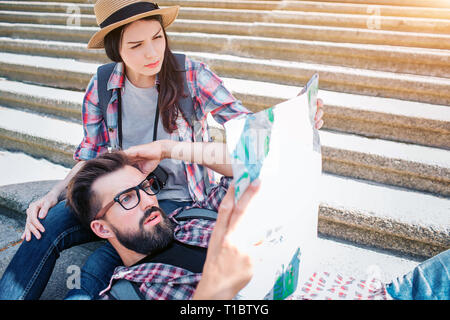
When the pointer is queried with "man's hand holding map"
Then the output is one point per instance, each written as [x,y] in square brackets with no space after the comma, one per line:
[281,147]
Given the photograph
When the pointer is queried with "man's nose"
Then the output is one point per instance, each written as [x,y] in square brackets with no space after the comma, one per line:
[147,200]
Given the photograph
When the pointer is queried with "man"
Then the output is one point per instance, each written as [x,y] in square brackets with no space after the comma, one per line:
[167,258]
[162,256]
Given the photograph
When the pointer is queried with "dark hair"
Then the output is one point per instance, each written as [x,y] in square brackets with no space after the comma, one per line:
[80,196]
[171,82]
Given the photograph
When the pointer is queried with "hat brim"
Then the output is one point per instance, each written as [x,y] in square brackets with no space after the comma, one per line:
[168,15]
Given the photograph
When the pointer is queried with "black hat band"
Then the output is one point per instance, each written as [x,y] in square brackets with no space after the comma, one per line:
[129,11]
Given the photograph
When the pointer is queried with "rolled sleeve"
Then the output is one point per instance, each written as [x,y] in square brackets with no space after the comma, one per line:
[213,97]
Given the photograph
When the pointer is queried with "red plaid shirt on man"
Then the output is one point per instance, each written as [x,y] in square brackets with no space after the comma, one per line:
[208,94]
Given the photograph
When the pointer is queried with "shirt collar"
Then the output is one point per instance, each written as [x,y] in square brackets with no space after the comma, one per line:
[117,78]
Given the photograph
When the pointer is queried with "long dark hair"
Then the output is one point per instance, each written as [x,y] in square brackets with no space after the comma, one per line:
[171,83]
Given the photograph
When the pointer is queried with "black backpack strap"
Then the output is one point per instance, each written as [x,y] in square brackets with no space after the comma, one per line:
[104,95]
[196,213]
[125,290]
[185,104]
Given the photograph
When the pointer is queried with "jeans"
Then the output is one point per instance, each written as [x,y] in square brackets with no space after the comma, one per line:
[430,280]
[30,269]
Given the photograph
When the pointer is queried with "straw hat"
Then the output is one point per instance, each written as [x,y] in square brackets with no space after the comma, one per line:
[111,14]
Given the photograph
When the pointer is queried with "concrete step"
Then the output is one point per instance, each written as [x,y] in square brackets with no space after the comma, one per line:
[383,216]
[73,74]
[39,136]
[428,62]
[390,119]
[305,6]
[400,3]
[18,167]
[415,167]
[350,210]
[37,29]
[61,103]
[318,6]
[408,24]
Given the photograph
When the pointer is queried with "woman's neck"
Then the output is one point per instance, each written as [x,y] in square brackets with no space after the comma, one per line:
[140,81]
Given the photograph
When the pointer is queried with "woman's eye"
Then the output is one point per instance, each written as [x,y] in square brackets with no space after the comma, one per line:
[133,47]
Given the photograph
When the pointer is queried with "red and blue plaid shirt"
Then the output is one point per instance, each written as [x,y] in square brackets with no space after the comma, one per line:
[208,94]
[158,281]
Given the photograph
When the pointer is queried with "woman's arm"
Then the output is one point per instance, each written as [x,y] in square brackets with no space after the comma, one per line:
[212,155]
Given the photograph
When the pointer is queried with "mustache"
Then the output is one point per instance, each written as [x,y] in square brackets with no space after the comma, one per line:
[149,211]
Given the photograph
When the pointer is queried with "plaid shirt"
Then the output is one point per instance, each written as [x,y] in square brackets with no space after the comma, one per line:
[208,94]
[159,281]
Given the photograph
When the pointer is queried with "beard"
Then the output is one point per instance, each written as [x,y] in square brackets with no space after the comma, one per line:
[146,242]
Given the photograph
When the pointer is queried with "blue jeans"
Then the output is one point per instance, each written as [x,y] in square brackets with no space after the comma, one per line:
[430,280]
[30,269]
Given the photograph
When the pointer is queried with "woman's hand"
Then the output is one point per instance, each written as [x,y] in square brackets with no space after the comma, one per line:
[227,268]
[147,156]
[319,114]
[38,210]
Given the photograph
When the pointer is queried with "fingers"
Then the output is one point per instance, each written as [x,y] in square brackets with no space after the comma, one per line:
[149,151]
[319,124]
[224,213]
[34,231]
[44,210]
[138,152]
[319,114]
[33,226]
[242,204]
[29,230]
[319,103]
[26,235]
[32,214]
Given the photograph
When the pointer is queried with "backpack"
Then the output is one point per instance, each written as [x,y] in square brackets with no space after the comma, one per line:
[127,290]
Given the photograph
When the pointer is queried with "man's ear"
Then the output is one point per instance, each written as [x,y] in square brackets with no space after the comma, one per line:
[101,229]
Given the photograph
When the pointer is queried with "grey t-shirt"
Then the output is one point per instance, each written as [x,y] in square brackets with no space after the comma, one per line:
[138,118]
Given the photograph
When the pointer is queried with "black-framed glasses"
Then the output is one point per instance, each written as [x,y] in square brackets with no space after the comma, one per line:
[130,198]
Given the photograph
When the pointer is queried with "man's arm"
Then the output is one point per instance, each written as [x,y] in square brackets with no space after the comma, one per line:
[227,268]
[212,155]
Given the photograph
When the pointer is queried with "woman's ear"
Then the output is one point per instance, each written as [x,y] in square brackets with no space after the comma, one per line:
[101,229]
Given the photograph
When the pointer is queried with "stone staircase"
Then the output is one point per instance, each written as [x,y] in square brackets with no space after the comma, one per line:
[384,77]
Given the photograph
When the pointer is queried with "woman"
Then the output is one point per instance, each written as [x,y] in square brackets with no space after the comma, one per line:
[144,106]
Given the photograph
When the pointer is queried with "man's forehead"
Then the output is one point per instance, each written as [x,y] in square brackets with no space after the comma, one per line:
[117,181]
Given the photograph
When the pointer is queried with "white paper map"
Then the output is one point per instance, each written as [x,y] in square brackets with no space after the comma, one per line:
[281,147]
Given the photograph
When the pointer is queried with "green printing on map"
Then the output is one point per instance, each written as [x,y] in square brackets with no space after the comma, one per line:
[287,282]
[251,150]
